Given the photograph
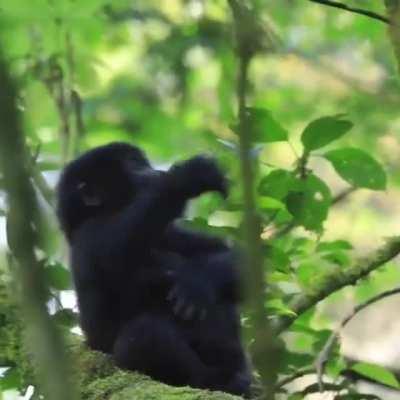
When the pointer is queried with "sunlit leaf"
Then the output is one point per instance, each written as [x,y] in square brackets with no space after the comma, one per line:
[376,373]
[358,168]
[278,258]
[269,203]
[278,307]
[11,379]
[334,246]
[310,205]
[263,127]
[323,131]
[277,184]
[58,277]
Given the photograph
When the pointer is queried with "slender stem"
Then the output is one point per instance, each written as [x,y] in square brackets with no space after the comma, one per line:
[42,338]
[372,300]
[324,354]
[264,349]
[288,379]
[342,6]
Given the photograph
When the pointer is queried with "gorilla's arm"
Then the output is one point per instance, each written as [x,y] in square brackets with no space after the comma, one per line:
[213,263]
[144,221]
[190,243]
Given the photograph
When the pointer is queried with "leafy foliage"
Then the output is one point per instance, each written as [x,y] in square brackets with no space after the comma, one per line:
[323,131]
[358,168]
[162,75]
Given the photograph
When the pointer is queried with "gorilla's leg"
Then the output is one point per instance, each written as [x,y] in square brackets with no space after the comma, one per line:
[154,346]
[231,362]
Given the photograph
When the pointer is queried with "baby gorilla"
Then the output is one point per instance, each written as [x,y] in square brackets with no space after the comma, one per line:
[159,298]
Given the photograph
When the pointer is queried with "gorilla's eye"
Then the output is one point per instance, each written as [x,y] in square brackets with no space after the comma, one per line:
[89,196]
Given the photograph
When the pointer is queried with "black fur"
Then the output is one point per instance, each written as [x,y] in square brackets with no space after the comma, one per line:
[159,298]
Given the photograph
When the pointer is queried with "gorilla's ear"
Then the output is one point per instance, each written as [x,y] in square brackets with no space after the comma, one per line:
[88,195]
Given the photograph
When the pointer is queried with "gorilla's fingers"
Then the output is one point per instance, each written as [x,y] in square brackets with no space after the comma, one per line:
[178,307]
[188,314]
[172,294]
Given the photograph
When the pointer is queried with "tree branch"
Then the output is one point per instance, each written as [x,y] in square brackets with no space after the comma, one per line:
[342,6]
[264,350]
[51,366]
[337,280]
[324,354]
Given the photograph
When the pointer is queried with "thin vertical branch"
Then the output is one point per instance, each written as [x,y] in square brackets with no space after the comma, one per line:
[42,337]
[263,350]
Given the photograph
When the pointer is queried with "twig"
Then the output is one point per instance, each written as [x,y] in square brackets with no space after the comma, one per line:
[335,281]
[372,300]
[323,356]
[343,195]
[355,10]
[293,377]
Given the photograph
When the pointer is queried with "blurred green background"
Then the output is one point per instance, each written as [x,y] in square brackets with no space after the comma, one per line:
[162,75]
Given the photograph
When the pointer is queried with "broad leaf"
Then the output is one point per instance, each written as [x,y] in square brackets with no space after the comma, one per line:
[66,318]
[278,307]
[263,127]
[277,184]
[11,379]
[278,258]
[358,168]
[269,203]
[323,131]
[376,373]
[310,205]
[58,277]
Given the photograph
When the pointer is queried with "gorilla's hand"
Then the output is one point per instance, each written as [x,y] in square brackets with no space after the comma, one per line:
[198,175]
[192,295]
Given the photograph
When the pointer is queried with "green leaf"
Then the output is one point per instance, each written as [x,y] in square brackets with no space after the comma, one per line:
[310,205]
[58,277]
[269,203]
[278,258]
[305,273]
[323,131]
[358,168]
[66,318]
[11,379]
[279,308]
[277,184]
[376,373]
[263,127]
[333,246]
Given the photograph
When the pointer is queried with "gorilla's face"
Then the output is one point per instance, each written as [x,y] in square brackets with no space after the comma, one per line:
[102,182]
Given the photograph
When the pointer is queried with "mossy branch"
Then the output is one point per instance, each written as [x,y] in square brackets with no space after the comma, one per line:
[22,228]
[335,281]
[96,375]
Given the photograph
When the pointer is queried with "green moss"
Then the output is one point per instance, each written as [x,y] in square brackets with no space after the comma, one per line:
[95,373]
[132,386]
